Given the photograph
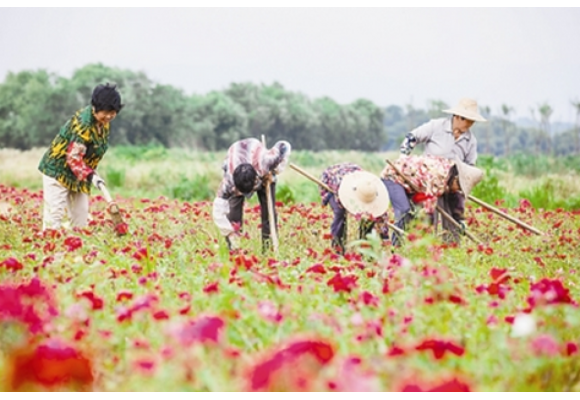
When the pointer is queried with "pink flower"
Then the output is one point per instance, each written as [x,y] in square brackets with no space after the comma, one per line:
[545,345]
[205,329]
[269,311]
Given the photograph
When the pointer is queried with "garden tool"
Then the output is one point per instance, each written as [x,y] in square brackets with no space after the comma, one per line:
[113,209]
[271,219]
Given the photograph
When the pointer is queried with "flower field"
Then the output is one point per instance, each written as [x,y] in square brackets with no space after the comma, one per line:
[168,308]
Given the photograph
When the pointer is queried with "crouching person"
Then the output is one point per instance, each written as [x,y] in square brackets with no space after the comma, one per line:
[433,178]
[356,192]
[247,169]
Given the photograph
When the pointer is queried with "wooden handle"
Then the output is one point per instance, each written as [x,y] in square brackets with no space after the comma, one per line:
[105,192]
[271,219]
[504,215]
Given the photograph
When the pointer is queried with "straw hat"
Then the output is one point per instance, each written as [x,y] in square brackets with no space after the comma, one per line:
[468,176]
[362,192]
[467,108]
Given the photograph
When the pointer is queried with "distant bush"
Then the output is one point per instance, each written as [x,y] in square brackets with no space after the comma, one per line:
[285,194]
[114,177]
[196,188]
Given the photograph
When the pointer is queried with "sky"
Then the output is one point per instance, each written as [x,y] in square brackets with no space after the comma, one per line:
[520,57]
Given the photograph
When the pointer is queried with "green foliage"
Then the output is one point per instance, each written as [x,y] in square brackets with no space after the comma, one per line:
[285,194]
[551,194]
[114,177]
[188,189]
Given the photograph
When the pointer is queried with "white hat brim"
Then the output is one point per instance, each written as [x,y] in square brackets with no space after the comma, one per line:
[349,200]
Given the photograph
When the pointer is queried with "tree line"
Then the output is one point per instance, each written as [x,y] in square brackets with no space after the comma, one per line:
[35,104]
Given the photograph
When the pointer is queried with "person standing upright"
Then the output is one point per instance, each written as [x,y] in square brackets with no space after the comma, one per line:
[69,165]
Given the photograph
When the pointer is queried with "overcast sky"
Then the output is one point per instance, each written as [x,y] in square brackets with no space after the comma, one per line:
[521,57]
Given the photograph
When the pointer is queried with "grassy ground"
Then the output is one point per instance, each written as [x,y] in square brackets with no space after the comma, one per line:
[168,308]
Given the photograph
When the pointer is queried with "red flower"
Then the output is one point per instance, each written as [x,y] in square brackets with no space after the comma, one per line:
[291,367]
[369,299]
[395,351]
[30,303]
[317,268]
[571,348]
[211,287]
[121,228]
[96,301]
[72,243]
[549,291]
[140,254]
[440,347]
[161,314]
[50,364]
[11,264]
[342,283]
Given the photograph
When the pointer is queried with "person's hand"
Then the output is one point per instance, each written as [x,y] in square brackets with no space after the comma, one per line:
[268,178]
[97,180]
[463,227]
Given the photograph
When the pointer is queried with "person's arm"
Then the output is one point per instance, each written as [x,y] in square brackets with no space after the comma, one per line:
[221,207]
[418,135]
[276,159]
[471,156]
[75,160]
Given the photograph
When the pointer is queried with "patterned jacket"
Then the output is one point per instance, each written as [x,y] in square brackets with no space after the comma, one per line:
[332,177]
[428,173]
[76,151]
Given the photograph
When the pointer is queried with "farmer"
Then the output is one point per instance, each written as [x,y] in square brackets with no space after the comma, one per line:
[435,177]
[69,165]
[357,192]
[248,167]
[451,138]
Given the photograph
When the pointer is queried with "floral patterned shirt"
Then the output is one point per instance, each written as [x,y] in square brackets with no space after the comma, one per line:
[76,151]
[428,173]
[332,177]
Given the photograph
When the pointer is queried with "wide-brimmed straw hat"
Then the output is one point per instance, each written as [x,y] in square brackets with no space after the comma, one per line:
[362,192]
[466,108]
[468,177]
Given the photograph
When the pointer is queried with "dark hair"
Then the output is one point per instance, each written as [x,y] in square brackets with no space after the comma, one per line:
[106,98]
[245,178]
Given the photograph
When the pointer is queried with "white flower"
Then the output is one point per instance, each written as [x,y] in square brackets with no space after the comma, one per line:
[524,325]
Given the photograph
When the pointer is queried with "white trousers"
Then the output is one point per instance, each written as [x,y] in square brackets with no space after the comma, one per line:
[59,200]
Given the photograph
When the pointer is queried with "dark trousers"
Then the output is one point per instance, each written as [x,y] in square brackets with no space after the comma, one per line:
[401,205]
[454,205]
[237,210]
